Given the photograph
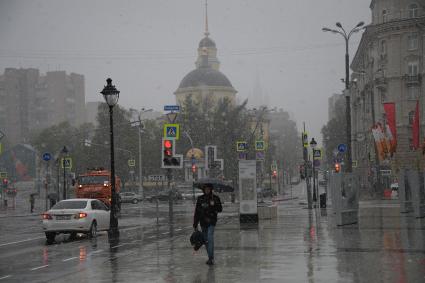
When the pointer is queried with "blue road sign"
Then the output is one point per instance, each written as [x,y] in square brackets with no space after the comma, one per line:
[174,108]
[47,156]
[342,147]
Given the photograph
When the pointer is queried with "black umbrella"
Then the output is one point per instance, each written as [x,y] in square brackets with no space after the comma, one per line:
[217,184]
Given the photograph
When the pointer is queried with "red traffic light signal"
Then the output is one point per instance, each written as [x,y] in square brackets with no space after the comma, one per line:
[194,168]
[274,173]
[168,148]
[337,167]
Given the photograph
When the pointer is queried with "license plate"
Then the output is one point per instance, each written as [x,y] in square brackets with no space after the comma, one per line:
[63,217]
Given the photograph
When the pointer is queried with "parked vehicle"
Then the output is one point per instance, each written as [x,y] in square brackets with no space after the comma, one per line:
[96,184]
[130,197]
[164,196]
[74,216]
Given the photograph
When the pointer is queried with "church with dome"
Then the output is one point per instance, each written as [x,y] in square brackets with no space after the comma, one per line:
[206,82]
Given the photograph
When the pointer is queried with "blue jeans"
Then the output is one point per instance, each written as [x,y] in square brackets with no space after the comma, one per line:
[208,233]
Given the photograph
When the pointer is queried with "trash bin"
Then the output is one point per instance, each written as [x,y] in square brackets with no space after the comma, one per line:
[323,200]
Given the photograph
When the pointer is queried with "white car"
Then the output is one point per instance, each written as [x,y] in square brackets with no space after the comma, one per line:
[74,216]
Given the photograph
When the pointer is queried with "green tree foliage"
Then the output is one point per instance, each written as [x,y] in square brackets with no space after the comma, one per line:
[334,132]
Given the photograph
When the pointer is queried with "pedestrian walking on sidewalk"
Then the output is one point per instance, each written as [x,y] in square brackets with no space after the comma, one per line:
[32,200]
[207,207]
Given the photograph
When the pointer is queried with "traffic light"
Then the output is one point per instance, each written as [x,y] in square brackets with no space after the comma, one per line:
[274,173]
[194,168]
[337,167]
[169,158]
[5,181]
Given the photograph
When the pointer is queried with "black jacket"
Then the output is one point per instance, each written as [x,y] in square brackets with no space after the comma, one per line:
[205,213]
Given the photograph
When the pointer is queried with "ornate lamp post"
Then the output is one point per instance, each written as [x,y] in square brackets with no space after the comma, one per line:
[346,36]
[111,95]
[313,145]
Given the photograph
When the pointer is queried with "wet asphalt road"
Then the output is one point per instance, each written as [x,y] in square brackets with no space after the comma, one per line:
[299,246]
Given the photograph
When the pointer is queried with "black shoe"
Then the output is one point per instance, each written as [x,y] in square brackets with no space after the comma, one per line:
[210,262]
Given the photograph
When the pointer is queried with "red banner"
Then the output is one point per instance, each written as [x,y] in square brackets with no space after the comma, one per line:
[415,128]
[389,108]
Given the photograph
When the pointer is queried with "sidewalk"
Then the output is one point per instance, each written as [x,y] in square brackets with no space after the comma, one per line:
[300,246]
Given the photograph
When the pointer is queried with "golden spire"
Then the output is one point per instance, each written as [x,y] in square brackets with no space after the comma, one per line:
[206,19]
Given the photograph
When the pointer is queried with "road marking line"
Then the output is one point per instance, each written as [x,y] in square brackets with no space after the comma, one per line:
[151,237]
[117,246]
[95,252]
[71,258]
[5,277]
[179,229]
[165,233]
[39,267]
[17,242]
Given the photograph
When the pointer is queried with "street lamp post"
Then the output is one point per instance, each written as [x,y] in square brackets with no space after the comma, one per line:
[64,154]
[140,150]
[111,95]
[347,36]
[313,145]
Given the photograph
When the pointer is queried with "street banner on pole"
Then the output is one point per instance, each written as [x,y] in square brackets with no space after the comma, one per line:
[305,139]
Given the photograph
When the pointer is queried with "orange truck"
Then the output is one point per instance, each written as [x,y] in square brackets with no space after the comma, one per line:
[96,184]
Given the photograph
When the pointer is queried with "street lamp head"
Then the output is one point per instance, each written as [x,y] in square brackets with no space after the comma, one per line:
[326,29]
[338,24]
[65,150]
[110,93]
[313,143]
[360,24]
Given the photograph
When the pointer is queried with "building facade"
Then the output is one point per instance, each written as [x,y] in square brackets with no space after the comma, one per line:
[389,68]
[31,101]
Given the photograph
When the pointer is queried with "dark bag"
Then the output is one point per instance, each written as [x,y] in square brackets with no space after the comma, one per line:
[197,240]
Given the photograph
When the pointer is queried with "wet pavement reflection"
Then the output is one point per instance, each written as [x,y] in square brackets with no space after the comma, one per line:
[300,245]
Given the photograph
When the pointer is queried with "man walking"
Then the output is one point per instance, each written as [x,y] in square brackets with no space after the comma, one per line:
[32,200]
[207,207]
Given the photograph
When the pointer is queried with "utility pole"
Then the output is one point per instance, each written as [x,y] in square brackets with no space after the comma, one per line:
[377,162]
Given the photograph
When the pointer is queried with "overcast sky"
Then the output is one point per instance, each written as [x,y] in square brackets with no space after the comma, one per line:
[148,46]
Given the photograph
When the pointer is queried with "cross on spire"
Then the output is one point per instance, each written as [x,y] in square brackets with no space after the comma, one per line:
[206,19]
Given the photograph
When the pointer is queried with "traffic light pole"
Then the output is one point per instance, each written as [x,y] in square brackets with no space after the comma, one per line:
[170,194]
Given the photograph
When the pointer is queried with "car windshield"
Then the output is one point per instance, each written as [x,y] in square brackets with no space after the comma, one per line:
[93,180]
[78,204]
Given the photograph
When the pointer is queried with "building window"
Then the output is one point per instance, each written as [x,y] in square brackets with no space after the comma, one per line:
[413,11]
[383,47]
[411,117]
[412,93]
[413,68]
[412,41]
[411,144]
[384,16]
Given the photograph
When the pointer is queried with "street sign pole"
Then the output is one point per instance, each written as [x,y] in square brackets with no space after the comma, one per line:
[304,141]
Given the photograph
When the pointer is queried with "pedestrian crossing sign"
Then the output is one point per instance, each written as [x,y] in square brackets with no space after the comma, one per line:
[67,163]
[259,145]
[241,146]
[171,131]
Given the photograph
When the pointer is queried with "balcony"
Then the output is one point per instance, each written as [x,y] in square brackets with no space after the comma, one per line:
[413,80]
